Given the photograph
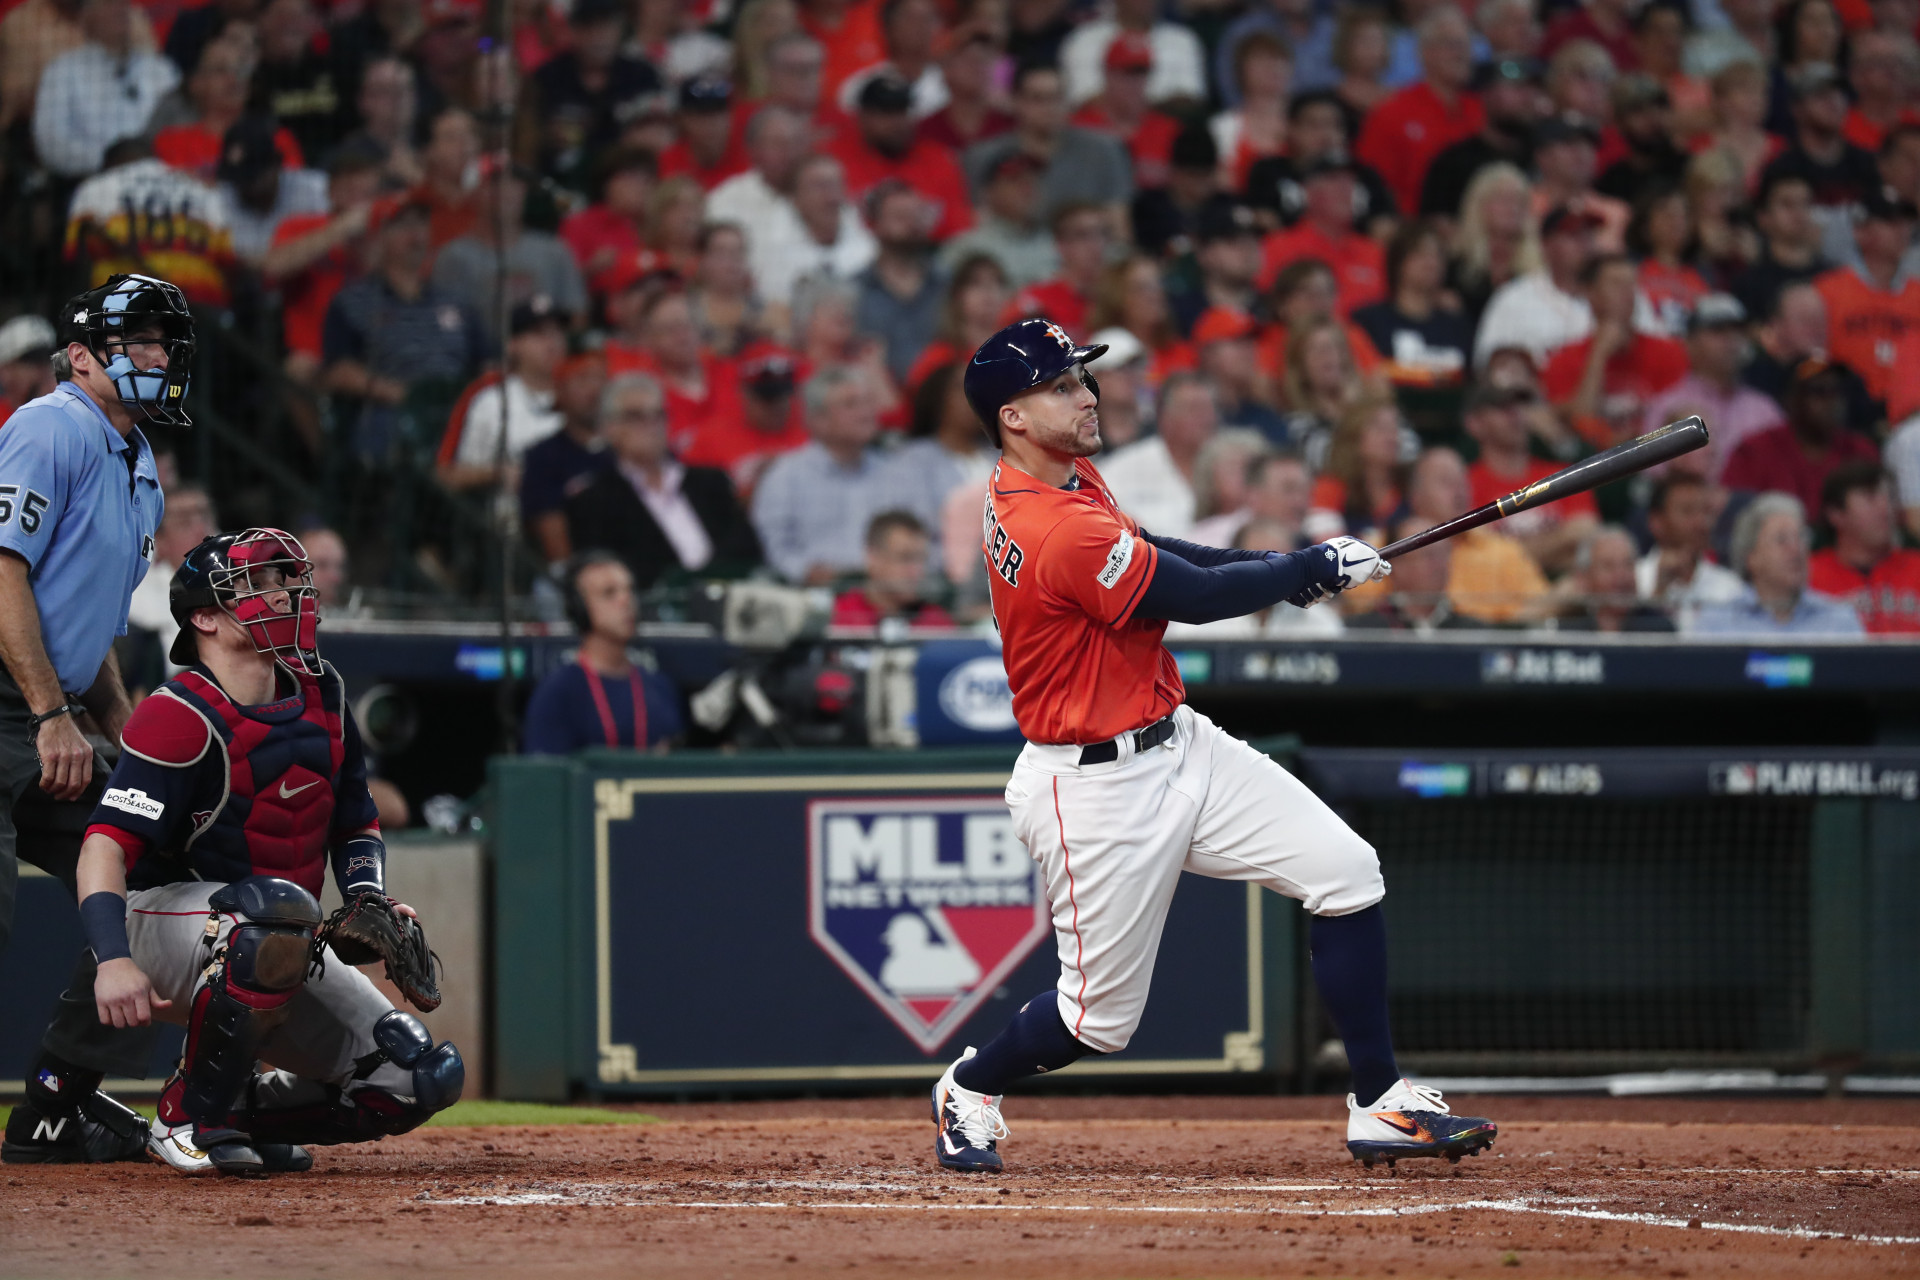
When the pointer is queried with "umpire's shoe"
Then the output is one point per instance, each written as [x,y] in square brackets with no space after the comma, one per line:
[101,1131]
[967,1125]
[1410,1120]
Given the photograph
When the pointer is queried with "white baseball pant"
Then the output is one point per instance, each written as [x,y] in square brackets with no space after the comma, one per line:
[1113,839]
[329,1023]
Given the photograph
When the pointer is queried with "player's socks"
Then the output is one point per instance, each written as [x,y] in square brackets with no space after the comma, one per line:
[1035,1041]
[55,1087]
[1350,968]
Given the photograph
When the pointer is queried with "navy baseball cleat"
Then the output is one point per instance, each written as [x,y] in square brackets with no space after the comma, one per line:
[967,1125]
[1410,1120]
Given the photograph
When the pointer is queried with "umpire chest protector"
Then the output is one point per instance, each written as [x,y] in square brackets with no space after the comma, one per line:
[265,800]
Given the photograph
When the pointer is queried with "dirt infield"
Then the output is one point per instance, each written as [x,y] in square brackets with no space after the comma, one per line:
[1098,1187]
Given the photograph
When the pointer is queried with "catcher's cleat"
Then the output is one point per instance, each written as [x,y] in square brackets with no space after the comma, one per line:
[1410,1120]
[284,1157]
[967,1125]
[231,1152]
[38,1137]
[172,1145]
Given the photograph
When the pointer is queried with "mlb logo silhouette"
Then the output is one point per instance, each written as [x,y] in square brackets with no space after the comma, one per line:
[927,904]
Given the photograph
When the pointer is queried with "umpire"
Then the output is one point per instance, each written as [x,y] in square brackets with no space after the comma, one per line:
[79,502]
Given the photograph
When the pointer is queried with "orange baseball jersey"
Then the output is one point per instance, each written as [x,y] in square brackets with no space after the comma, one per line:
[1067,568]
[1865,324]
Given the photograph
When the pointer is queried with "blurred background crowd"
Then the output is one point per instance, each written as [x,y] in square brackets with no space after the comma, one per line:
[693,283]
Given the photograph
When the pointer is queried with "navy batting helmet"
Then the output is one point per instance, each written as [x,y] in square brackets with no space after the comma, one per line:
[1018,358]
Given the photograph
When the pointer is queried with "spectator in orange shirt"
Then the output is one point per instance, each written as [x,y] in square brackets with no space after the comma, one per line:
[1883,68]
[912,31]
[1798,456]
[1131,297]
[1405,132]
[1609,376]
[1551,534]
[447,161]
[1863,567]
[1872,306]
[1364,480]
[1305,292]
[613,228]
[896,581]
[711,147]
[1120,109]
[1326,233]
[883,148]
[1082,234]
[848,31]
[796,81]
[1492,578]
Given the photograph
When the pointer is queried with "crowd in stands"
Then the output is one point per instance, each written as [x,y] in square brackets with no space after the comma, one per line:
[693,282]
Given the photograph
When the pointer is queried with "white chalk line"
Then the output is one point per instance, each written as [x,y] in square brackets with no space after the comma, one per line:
[514,1199]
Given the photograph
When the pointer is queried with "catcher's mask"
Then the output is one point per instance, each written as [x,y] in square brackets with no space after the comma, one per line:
[105,320]
[262,579]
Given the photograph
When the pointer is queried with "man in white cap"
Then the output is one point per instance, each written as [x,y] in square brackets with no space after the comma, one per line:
[26,354]
[1124,407]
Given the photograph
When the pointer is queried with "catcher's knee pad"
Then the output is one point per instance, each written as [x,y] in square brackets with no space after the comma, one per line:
[262,964]
[439,1075]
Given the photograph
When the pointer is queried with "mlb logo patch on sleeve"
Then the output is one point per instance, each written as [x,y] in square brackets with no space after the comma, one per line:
[134,801]
[1117,561]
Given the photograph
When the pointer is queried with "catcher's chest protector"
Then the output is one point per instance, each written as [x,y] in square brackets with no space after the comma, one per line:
[283,760]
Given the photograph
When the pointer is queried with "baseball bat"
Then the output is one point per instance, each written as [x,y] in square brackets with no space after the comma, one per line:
[1655,447]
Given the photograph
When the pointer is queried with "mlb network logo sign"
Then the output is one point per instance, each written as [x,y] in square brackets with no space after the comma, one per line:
[927,904]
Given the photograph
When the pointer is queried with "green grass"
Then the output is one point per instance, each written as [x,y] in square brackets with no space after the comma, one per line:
[480,1111]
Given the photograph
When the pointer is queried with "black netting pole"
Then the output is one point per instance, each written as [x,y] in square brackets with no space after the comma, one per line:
[499,78]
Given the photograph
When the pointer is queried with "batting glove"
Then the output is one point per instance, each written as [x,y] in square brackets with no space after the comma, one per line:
[1357,562]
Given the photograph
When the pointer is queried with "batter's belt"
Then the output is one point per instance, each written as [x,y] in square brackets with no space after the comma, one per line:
[1143,739]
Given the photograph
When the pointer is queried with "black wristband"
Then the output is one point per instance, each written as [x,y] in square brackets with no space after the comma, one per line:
[64,709]
[104,917]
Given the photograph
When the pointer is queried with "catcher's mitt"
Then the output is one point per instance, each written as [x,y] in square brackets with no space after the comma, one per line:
[369,929]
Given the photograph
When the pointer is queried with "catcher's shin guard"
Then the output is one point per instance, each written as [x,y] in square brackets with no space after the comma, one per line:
[262,963]
[365,1111]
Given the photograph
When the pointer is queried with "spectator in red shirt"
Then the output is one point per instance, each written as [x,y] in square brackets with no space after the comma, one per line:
[1120,109]
[1798,456]
[796,80]
[218,92]
[1550,534]
[896,581]
[453,148]
[1863,567]
[849,33]
[883,148]
[1326,232]
[711,147]
[314,254]
[1883,68]
[1608,377]
[612,228]
[1605,22]
[770,423]
[1082,233]
[1565,158]
[1404,133]
[973,112]
[699,386]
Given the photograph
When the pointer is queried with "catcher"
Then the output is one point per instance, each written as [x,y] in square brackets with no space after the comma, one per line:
[200,879]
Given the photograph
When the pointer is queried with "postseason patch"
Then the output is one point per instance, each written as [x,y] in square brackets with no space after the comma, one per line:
[1117,561]
[134,801]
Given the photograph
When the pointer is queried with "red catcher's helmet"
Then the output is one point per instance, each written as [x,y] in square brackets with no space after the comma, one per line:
[262,579]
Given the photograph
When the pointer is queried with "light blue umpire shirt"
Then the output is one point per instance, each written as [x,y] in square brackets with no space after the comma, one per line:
[80,505]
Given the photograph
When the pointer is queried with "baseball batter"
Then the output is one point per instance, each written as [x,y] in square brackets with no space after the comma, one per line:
[1122,786]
